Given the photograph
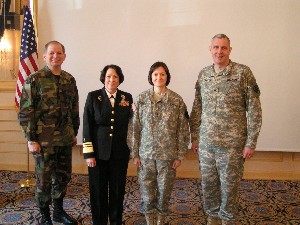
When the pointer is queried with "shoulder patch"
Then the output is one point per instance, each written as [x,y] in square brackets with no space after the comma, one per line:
[256,89]
[186,114]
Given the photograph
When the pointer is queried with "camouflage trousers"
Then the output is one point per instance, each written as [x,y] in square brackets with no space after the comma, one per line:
[221,171]
[156,179]
[53,168]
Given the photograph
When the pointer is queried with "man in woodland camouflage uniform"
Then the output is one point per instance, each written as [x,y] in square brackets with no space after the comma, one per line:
[49,118]
[225,123]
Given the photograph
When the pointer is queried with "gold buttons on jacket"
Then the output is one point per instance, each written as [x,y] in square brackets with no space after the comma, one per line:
[112,120]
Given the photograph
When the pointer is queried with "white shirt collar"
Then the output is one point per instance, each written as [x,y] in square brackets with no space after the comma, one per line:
[109,94]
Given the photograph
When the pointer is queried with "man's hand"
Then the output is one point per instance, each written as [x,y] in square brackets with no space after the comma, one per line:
[248,153]
[195,147]
[74,142]
[34,146]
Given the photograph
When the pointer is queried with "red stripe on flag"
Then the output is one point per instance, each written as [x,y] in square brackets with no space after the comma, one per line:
[18,91]
[20,77]
[33,62]
[26,69]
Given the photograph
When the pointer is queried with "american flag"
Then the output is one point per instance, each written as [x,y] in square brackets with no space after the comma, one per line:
[28,53]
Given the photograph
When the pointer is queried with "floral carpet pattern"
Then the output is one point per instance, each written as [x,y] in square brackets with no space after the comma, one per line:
[262,202]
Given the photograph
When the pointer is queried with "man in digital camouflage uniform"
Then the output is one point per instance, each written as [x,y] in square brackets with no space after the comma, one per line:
[49,118]
[225,123]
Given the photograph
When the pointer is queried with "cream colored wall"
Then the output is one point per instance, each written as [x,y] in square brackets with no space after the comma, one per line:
[134,34]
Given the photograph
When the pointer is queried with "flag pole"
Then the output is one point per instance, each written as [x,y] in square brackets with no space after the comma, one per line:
[28,61]
[29,181]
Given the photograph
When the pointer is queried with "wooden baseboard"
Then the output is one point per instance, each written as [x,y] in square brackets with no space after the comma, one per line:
[264,165]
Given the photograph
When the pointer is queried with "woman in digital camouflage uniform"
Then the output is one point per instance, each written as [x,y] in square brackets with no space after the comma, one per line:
[158,138]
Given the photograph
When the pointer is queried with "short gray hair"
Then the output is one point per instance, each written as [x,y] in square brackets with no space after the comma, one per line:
[221,36]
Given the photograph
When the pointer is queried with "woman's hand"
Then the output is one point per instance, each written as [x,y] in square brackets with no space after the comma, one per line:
[133,108]
[137,162]
[176,164]
[91,162]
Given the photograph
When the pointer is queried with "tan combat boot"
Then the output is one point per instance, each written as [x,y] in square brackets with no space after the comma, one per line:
[160,219]
[151,219]
[213,221]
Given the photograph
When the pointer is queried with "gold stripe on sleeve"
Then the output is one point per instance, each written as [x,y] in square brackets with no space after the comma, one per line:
[88,147]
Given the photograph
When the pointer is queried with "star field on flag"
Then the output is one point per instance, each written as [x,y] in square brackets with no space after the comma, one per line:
[28,53]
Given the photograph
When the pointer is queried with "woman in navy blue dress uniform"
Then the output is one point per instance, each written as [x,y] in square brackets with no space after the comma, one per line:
[105,123]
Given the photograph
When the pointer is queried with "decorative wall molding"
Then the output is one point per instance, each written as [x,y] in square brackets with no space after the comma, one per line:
[7,85]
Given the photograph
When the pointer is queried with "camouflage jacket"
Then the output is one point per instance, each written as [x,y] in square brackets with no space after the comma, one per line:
[226,110]
[49,108]
[159,129]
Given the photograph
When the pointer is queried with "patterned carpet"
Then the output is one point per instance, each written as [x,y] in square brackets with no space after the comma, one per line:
[261,203]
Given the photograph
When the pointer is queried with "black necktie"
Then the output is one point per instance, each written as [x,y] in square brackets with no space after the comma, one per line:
[112,100]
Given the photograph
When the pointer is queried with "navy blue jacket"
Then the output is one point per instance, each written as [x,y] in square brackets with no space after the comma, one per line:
[105,127]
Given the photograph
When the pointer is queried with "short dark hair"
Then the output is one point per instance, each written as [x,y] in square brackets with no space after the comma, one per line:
[154,67]
[54,42]
[116,68]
